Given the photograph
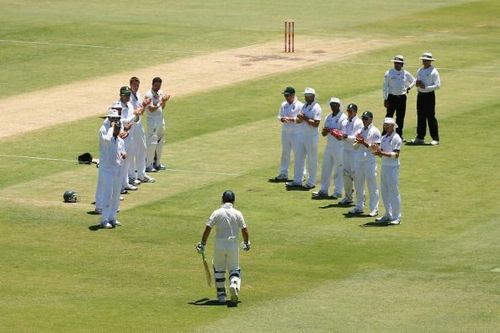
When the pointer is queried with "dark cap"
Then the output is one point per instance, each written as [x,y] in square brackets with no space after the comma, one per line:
[352,107]
[367,114]
[289,91]
[125,91]
[228,196]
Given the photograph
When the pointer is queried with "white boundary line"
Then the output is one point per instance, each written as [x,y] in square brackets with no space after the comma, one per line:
[40,158]
[76,162]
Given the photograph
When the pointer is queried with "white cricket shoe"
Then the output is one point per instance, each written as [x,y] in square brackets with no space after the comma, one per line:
[131,188]
[233,289]
[356,211]
[395,222]
[373,213]
[417,141]
[337,195]
[147,179]
[346,201]
[385,218]
[434,142]
[115,223]
[106,225]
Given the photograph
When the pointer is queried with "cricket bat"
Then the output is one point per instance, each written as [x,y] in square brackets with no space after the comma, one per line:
[207,270]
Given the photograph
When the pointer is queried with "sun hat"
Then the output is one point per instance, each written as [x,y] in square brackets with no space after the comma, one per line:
[427,56]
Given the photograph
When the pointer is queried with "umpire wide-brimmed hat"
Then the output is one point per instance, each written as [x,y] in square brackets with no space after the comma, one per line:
[427,56]
[399,59]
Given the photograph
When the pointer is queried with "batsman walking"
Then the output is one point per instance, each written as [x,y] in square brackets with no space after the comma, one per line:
[228,221]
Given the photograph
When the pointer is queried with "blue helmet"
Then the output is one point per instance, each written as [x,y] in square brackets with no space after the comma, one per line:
[228,196]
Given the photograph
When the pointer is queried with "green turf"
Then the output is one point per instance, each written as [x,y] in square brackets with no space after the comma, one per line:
[310,268]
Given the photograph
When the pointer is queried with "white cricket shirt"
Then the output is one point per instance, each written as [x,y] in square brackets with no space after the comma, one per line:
[228,221]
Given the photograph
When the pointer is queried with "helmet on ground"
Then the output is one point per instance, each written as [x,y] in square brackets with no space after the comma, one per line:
[228,196]
[71,196]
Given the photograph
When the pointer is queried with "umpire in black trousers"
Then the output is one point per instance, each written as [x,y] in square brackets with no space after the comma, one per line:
[397,83]
[428,81]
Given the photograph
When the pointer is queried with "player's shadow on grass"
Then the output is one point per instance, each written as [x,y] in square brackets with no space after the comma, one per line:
[95,227]
[297,188]
[353,216]
[374,225]
[212,302]
[274,180]
[335,205]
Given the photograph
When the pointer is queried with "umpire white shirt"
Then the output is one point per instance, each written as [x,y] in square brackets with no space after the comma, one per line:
[430,78]
[397,82]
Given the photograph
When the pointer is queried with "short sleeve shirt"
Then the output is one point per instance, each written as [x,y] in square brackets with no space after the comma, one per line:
[228,221]
[389,144]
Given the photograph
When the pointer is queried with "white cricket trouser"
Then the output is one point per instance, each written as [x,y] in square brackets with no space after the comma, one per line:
[155,140]
[111,192]
[306,146]
[226,257]
[138,160]
[333,158]
[287,137]
[389,188]
[366,171]
[125,166]
[348,172]
[99,197]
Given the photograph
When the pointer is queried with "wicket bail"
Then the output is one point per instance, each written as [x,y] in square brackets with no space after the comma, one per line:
[289,36]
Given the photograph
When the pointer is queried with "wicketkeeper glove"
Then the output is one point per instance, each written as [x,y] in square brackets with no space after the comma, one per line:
[200,247]
[337,133]
[246,246]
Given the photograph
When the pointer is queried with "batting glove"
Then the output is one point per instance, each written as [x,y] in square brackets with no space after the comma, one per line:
[246,246]
[200,247]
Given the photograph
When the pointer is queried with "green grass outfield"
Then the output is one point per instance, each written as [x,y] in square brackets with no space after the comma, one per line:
[310,268]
